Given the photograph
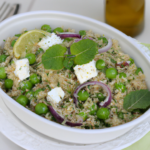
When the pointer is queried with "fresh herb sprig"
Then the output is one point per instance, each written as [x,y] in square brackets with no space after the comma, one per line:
[82,52]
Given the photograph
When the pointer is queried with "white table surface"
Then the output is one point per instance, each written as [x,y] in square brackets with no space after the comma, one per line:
[89,8]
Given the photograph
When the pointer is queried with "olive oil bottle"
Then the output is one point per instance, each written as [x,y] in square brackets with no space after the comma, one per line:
[125,15]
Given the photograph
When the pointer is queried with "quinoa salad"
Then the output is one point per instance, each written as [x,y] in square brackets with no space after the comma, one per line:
[78,79]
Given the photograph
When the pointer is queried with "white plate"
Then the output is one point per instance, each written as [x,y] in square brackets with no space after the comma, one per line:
[27,138]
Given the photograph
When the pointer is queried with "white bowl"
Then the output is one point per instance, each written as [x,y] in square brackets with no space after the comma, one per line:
[33,20]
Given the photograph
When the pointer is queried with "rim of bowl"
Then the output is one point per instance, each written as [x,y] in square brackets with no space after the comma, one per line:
[96,131]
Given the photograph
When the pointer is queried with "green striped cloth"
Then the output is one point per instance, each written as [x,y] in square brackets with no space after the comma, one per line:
[144,143]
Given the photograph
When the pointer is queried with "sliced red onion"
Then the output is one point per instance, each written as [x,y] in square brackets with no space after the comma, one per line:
[77,40]
[68,34]
[106,48]
[123,63]
[60,119]
[107,100]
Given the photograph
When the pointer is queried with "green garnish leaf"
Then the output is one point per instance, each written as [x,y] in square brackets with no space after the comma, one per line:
[68,39]
[105,41]
[85,51]
[53,57]
[112,60]
[17,35]
[139,99]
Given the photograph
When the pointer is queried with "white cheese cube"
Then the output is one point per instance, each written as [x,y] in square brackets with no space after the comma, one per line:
[55,95]
[86,71]
[49,41]
[22,70]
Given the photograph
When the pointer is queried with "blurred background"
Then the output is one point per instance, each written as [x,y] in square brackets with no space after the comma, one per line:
[90,8]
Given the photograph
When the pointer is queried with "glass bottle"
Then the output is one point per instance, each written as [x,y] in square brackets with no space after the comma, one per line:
[125,15]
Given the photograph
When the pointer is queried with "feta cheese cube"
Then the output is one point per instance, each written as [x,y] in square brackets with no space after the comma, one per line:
[22,70]
[49,41]
[86,71]
[55,95]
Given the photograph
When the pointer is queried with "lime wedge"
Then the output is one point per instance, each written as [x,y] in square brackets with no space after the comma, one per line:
[27,41]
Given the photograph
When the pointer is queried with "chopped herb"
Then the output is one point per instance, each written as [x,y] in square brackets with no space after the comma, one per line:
[58,84]
[69,75]
[4,40]
[40,50]
[48,87]
[122,65]
[112,60]
[68,39]
[105,41]
[17,35]
[115,101]
[120,115]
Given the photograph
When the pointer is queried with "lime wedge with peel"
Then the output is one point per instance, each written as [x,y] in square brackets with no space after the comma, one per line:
[27,41]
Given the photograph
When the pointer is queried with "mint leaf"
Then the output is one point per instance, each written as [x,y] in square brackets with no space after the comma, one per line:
[139,99]
[85,51]
[53,57]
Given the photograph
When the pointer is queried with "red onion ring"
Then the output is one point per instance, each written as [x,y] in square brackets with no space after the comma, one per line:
[106,48]
[60,119]
[123,63]
[107,100]
[68,34]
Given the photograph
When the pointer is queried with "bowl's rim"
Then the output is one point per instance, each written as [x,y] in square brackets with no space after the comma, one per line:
[96,131]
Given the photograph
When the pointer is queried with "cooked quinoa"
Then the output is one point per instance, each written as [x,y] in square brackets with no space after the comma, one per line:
[66,79]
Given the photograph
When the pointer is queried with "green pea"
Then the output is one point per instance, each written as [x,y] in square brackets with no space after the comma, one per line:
[100,96]
[122,75]
[46,27]
[26,85]
[138,70]
[37,92]
[29,94]
[83,95]
[41,108]
[111,73]
[120,115]
[3,58]
[82,32]
[105,41]
[120,86]
[58,29]
[31,57]
[83,115]
[131,61]
[8,83]
[13,43]
[2,73]
[100,64]
[34,78]
[93,109]
[23,100]
[103,113]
